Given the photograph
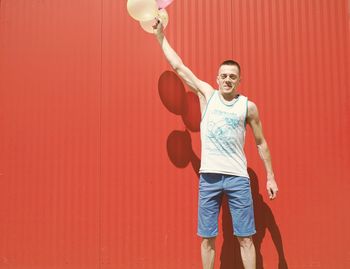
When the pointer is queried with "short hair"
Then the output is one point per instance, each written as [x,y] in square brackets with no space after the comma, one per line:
[231,62]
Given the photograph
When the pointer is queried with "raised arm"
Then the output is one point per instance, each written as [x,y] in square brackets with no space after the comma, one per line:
[264,152]
[176,63]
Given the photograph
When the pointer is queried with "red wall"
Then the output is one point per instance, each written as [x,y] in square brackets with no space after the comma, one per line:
[86,180]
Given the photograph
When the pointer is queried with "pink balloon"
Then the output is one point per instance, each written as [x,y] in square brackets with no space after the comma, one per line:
[164,3]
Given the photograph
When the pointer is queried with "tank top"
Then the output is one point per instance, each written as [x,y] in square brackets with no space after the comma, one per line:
[223,136]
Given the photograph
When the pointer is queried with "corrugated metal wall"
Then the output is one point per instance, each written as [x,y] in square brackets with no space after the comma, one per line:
[86,180]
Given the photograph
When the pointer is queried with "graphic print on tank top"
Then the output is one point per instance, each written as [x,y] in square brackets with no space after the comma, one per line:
[223,131]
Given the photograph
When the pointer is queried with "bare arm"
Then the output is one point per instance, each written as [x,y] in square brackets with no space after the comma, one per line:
[264,152]
[176,63]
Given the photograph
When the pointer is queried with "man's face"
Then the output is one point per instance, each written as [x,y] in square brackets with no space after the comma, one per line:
[228,79]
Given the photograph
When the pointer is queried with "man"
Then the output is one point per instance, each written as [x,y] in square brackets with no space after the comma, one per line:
[223,163]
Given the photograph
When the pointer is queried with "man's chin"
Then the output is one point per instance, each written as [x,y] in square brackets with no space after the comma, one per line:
[227,90]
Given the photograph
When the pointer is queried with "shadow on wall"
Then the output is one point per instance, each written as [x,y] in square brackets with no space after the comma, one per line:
[179,147]
[264,220]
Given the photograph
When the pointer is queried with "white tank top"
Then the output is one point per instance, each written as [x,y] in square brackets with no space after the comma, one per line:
[223,136]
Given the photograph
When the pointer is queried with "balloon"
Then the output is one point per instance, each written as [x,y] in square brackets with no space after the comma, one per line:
[164,3]
[147,25]
[172,92]
[142,10]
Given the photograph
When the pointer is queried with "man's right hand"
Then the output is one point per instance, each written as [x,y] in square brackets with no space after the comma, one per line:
[158,28]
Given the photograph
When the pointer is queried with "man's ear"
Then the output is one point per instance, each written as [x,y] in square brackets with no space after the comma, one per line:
[217,80]
[239,81]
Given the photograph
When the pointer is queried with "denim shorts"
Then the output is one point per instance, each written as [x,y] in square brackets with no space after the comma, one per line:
[237,189]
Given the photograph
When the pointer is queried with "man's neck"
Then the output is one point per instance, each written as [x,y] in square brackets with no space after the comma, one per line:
[228,97]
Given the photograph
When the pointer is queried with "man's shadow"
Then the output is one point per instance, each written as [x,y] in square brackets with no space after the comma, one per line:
[179,147]
[264,220]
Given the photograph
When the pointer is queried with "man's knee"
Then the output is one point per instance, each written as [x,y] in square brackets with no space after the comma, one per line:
[245,241]
[208,243]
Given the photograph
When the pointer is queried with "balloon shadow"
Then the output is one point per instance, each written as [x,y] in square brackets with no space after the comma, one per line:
[179,102]
[264,220]
[176,100]
[180,151]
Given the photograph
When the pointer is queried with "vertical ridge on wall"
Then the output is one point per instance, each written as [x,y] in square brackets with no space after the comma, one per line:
[48,134]
[100,238]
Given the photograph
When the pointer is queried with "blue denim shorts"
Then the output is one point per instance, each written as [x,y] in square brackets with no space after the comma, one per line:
[237,189]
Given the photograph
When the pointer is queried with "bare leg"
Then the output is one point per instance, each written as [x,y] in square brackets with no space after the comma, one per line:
[208,252]
[247,252]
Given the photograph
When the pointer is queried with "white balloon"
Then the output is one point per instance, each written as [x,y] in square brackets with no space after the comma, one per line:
[142,10]
[147,25]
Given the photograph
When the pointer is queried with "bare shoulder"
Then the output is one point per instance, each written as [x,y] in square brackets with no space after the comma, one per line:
[252,110]
[205,89]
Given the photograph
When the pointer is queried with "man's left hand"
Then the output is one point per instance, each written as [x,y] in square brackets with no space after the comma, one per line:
[272,188]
